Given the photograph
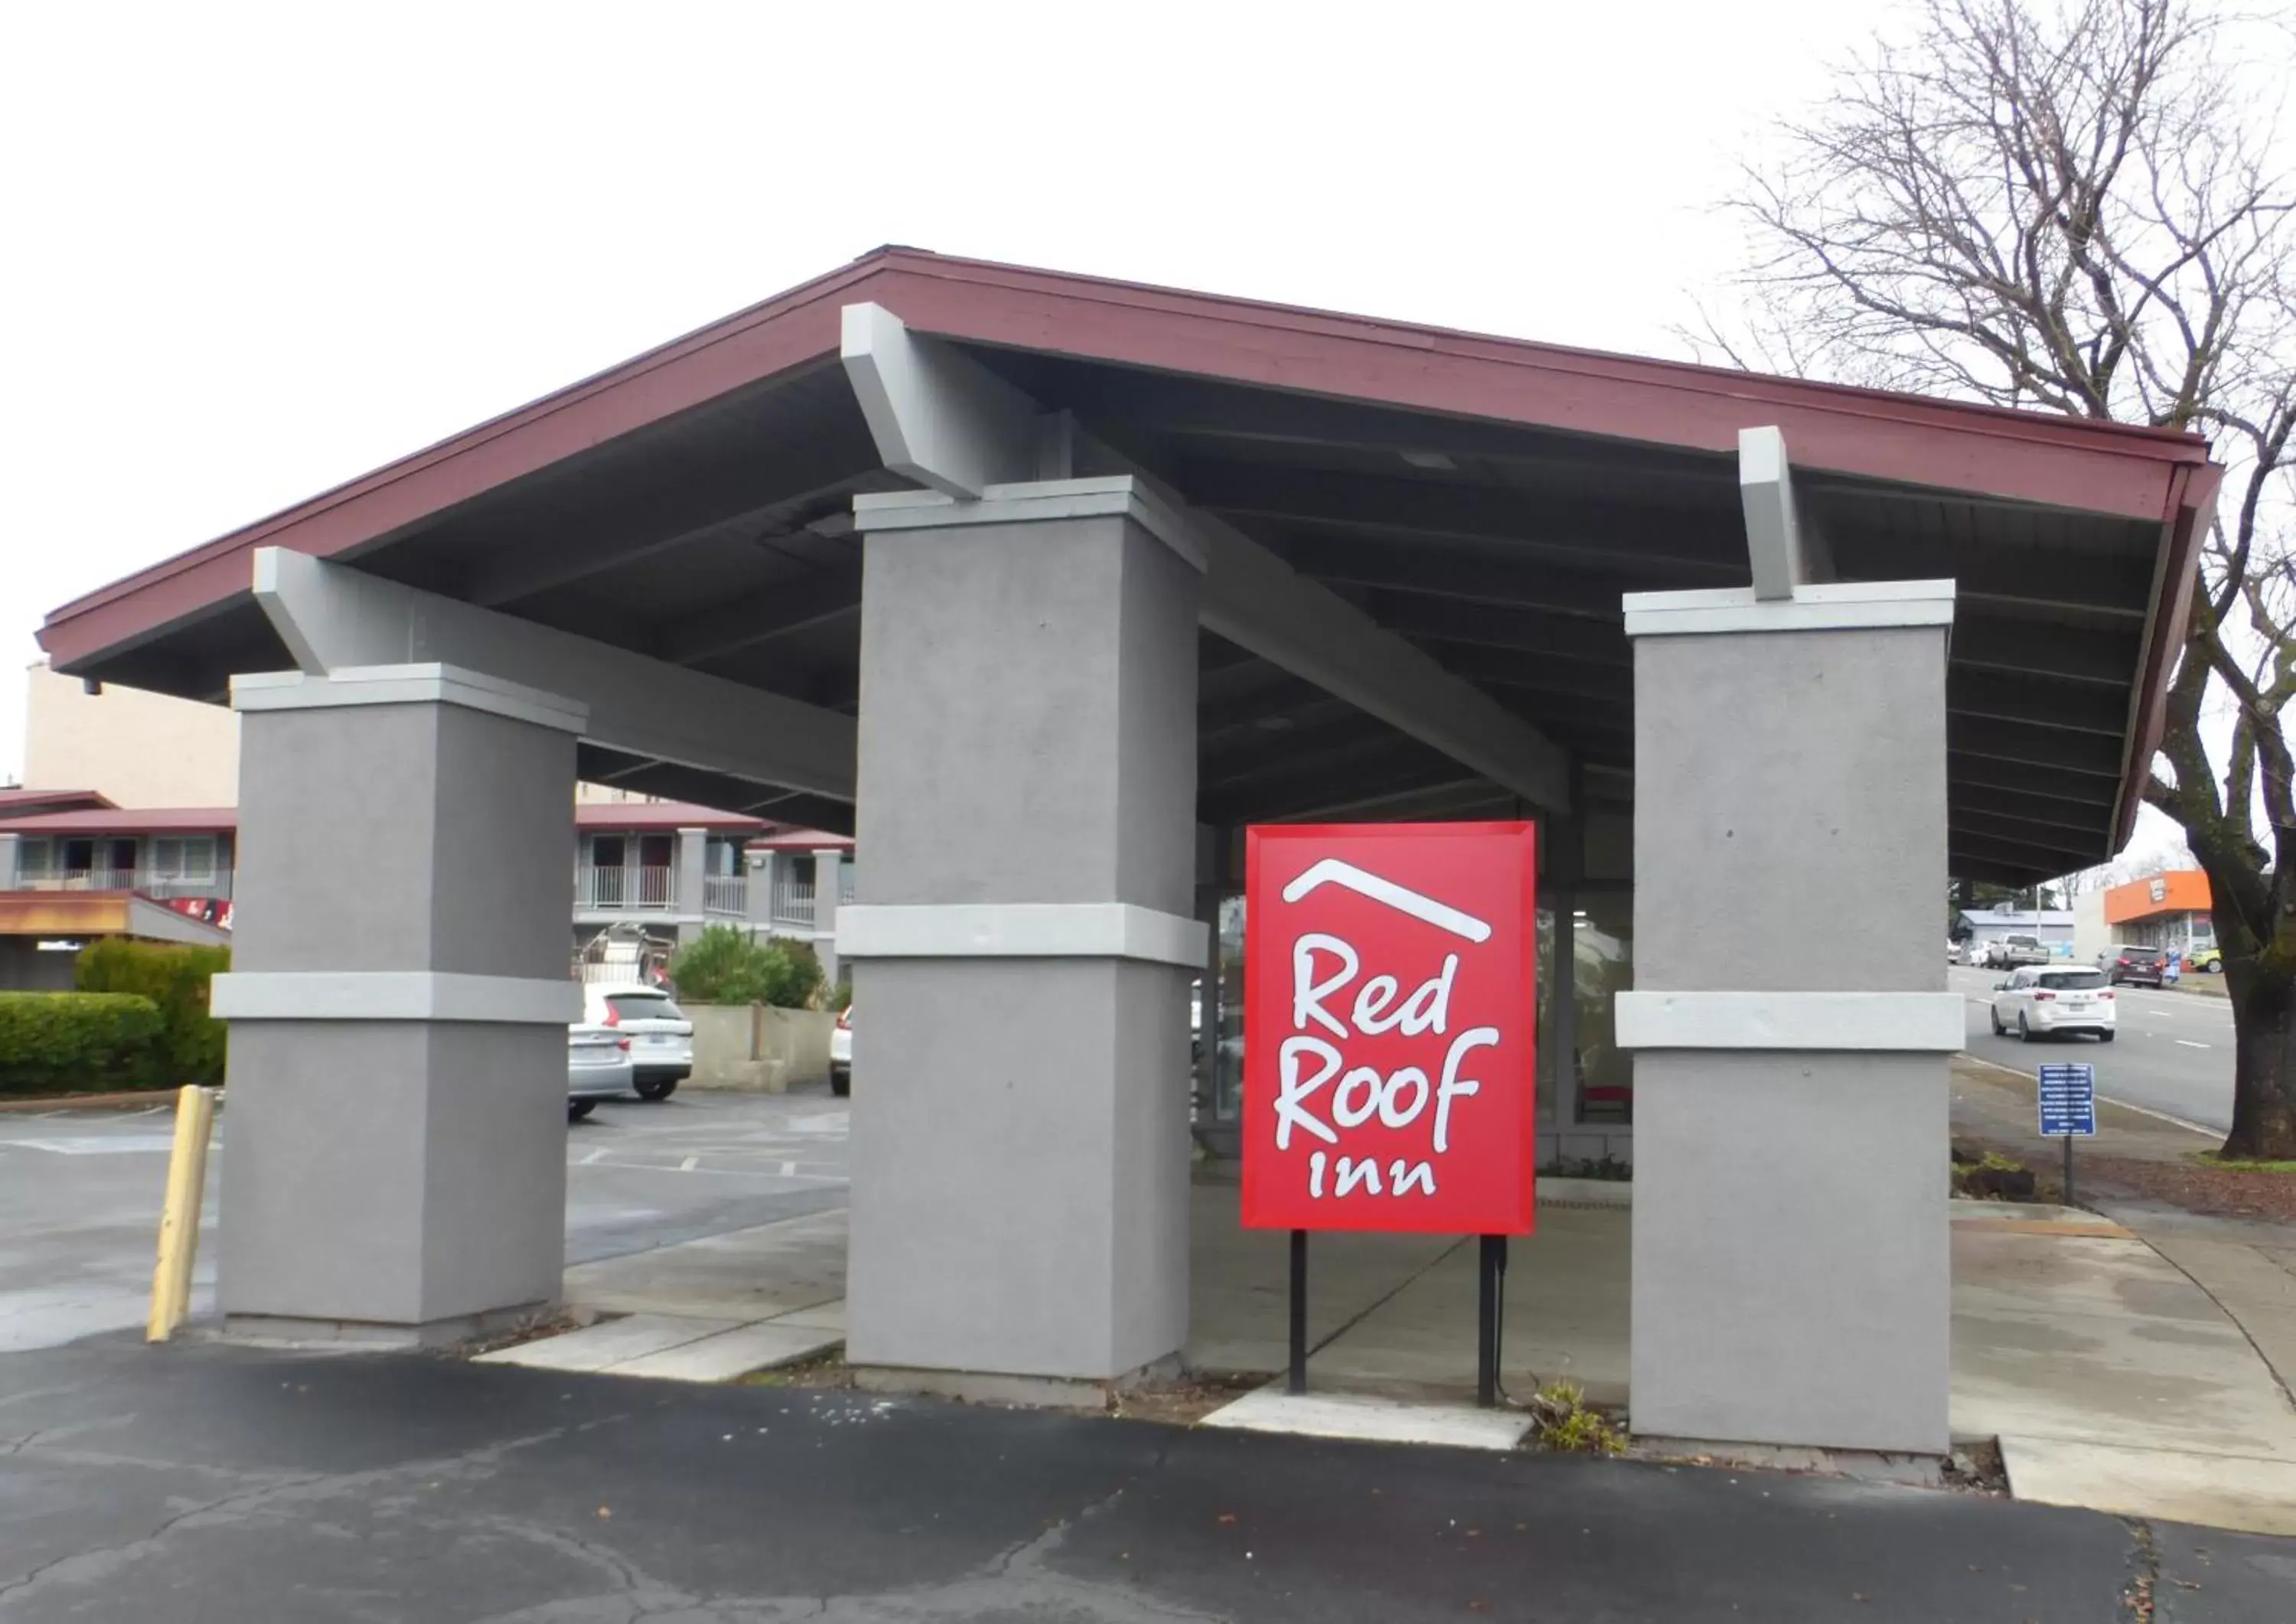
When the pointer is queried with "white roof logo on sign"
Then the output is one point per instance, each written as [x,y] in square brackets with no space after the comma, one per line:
[1331,871]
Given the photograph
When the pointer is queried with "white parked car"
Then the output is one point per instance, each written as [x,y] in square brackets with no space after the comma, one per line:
[2042,1001]
[597,1068]
[661,1039]
[841,1054]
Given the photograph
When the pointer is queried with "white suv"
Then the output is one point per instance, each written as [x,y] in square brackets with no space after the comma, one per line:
[2041,1001]
[661,1039]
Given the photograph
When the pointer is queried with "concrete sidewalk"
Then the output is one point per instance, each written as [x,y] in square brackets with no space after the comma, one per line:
[2112,1379]
[2246,1267]
[206,1482]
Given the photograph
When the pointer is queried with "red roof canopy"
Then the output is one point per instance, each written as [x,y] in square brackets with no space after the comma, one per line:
[1487,499]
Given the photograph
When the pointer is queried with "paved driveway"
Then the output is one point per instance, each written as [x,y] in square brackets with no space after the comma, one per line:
[80,1190]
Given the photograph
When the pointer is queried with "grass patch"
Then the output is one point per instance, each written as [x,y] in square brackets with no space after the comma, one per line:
[2209,1159]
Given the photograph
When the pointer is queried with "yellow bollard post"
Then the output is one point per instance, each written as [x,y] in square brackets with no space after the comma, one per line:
[179,1216]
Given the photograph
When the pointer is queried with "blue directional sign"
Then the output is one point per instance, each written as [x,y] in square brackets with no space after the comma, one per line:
[2067,1096]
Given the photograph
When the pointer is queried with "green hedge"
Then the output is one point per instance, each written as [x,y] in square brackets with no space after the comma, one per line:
[80,1040]
[723,965]
[175,979]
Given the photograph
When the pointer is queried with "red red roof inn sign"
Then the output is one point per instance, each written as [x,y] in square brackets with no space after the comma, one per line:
[1390,985]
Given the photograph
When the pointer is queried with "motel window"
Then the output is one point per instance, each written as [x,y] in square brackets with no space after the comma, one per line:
[35,859]
[186,857]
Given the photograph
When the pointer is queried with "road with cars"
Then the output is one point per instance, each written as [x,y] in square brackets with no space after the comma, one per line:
[2173,1053]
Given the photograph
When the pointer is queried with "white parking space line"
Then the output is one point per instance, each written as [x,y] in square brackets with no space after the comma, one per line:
[2189,1043]
[689,1164]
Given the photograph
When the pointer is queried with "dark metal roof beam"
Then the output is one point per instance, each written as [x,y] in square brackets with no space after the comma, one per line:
[1503,625]
[1565,679]
[1348,786]
[643,521]
[2031,648]
[1285,699]
[2046,837]
[1465,798]
[2045,858]
[1429,572]
[760,617]
[1992,774]
[2013,576]
[2066,752]
[2056,707]
[1707,547]
[2090,819]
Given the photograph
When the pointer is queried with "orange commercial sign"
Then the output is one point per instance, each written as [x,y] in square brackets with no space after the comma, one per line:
[2179,890]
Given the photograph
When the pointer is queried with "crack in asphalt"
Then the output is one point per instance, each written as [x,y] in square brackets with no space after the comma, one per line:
[1021,1579]
[2137,1600]
[81,1566]
[1017,1581]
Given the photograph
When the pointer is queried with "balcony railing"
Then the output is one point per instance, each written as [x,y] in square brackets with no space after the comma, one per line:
[653,890]
[635,889]
[793,899]
[148,881]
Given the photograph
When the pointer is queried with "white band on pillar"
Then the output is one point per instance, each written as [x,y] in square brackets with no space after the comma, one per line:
[1020,930]
[1111,495]
[392,995]
[431,683]
[1904,1021]
[1835,606]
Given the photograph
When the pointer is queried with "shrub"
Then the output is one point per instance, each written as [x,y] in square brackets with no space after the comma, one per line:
[175,979]
[723,965]
[1568,1422]
[79,1040]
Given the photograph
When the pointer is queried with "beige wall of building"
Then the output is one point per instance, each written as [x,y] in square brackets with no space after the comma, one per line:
[149,749]
[142,749]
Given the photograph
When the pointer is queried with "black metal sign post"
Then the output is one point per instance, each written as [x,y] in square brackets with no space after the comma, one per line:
[1490,1264]
[1298,1383]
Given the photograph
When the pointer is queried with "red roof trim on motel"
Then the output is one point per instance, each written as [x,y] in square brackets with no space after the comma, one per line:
[26,802]
[2060,462]
[101,821]
[600,817]
[653,817]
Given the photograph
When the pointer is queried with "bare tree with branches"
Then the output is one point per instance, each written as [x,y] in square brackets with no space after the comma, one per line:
[2072,205]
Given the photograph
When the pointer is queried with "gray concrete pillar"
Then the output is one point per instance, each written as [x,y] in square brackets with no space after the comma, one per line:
[828,893]
[1559,1064]
[1211,887]
[758,896]
[1025,945]
[395,1151]
[692,852]
[1790,1275]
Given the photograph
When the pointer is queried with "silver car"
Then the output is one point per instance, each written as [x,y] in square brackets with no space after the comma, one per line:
[597,1068]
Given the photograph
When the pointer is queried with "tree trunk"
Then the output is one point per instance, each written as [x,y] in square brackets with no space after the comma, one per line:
[2264,1063]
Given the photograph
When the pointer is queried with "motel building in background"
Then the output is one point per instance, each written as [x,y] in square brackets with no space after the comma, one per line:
[1072,582]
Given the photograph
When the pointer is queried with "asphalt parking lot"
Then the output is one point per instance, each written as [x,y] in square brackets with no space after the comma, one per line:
[80,1190]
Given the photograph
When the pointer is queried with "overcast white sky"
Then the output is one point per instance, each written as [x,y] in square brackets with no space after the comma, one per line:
[254,250]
